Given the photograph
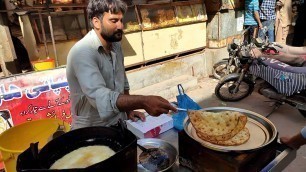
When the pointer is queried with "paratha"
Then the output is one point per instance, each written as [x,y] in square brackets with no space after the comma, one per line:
[240,138]
[217,126]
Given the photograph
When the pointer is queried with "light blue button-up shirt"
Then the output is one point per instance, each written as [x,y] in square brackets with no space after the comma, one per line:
[95,79]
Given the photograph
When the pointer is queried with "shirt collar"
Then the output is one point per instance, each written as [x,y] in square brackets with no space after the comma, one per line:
[96,41]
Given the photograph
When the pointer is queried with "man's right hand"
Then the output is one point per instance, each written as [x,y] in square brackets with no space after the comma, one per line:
[156,105]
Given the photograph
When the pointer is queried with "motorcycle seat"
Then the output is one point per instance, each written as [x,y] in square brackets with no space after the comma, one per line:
[275,64]
[281,78]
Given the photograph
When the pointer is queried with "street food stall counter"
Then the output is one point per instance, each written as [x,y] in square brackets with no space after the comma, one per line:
[262,152]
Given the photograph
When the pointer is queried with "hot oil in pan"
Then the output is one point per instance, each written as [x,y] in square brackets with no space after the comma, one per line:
[154,159]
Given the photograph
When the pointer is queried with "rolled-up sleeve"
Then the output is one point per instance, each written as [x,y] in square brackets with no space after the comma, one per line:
[93,84]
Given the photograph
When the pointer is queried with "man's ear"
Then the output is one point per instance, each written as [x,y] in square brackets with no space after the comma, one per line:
[96,23]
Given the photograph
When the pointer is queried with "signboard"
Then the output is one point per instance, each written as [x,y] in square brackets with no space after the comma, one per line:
[33,96]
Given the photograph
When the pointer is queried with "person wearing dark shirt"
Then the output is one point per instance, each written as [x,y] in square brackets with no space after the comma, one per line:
[300,27]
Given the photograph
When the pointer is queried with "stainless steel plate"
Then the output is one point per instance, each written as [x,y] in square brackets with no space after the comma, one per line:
[262,131]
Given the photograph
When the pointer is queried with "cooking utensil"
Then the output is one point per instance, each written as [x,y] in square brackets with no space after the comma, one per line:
[154,159]
[164,153]
[149,151]
[181,109]
[262,131]
[178,109]
[125,148]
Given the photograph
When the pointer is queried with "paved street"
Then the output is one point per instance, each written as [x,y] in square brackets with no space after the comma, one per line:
[287,120]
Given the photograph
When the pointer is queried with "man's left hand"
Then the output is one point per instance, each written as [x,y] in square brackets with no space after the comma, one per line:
[135,115]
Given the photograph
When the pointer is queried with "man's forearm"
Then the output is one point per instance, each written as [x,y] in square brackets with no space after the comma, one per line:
[130,102]
[257,18]
[289,59]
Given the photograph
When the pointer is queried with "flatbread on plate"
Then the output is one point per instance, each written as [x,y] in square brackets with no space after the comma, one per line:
[240,138]
[217,126]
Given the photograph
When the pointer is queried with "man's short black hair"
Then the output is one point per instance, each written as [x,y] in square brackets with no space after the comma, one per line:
[96,8]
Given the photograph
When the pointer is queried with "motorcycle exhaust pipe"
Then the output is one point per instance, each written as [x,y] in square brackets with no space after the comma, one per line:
[297,104]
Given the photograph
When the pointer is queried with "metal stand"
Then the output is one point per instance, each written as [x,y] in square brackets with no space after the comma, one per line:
[276,105]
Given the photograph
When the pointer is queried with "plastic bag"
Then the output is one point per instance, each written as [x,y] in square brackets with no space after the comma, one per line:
[185,102]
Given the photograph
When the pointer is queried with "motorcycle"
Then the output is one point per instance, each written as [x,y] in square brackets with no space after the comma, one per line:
[287,84]
[226,65]
[231,65]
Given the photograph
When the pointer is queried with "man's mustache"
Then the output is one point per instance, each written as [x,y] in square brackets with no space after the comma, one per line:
[118,31]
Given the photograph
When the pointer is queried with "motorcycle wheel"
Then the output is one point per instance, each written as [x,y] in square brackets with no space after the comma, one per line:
[303,112]
[219,69]
[224,90]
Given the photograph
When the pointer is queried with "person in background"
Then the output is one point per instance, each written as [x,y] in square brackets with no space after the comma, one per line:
[252,18]
[295,5]
[283,20]
[267,18]
[296,141]
[98,85]
[300,26]
[294,56]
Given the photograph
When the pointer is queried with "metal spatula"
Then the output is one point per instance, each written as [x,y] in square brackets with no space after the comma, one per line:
[181,109]
[178,109]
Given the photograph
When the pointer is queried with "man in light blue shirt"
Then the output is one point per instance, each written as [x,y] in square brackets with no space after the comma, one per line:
[98,85]
[251,18]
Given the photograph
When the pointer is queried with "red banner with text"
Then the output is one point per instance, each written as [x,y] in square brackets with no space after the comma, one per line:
[32,96]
